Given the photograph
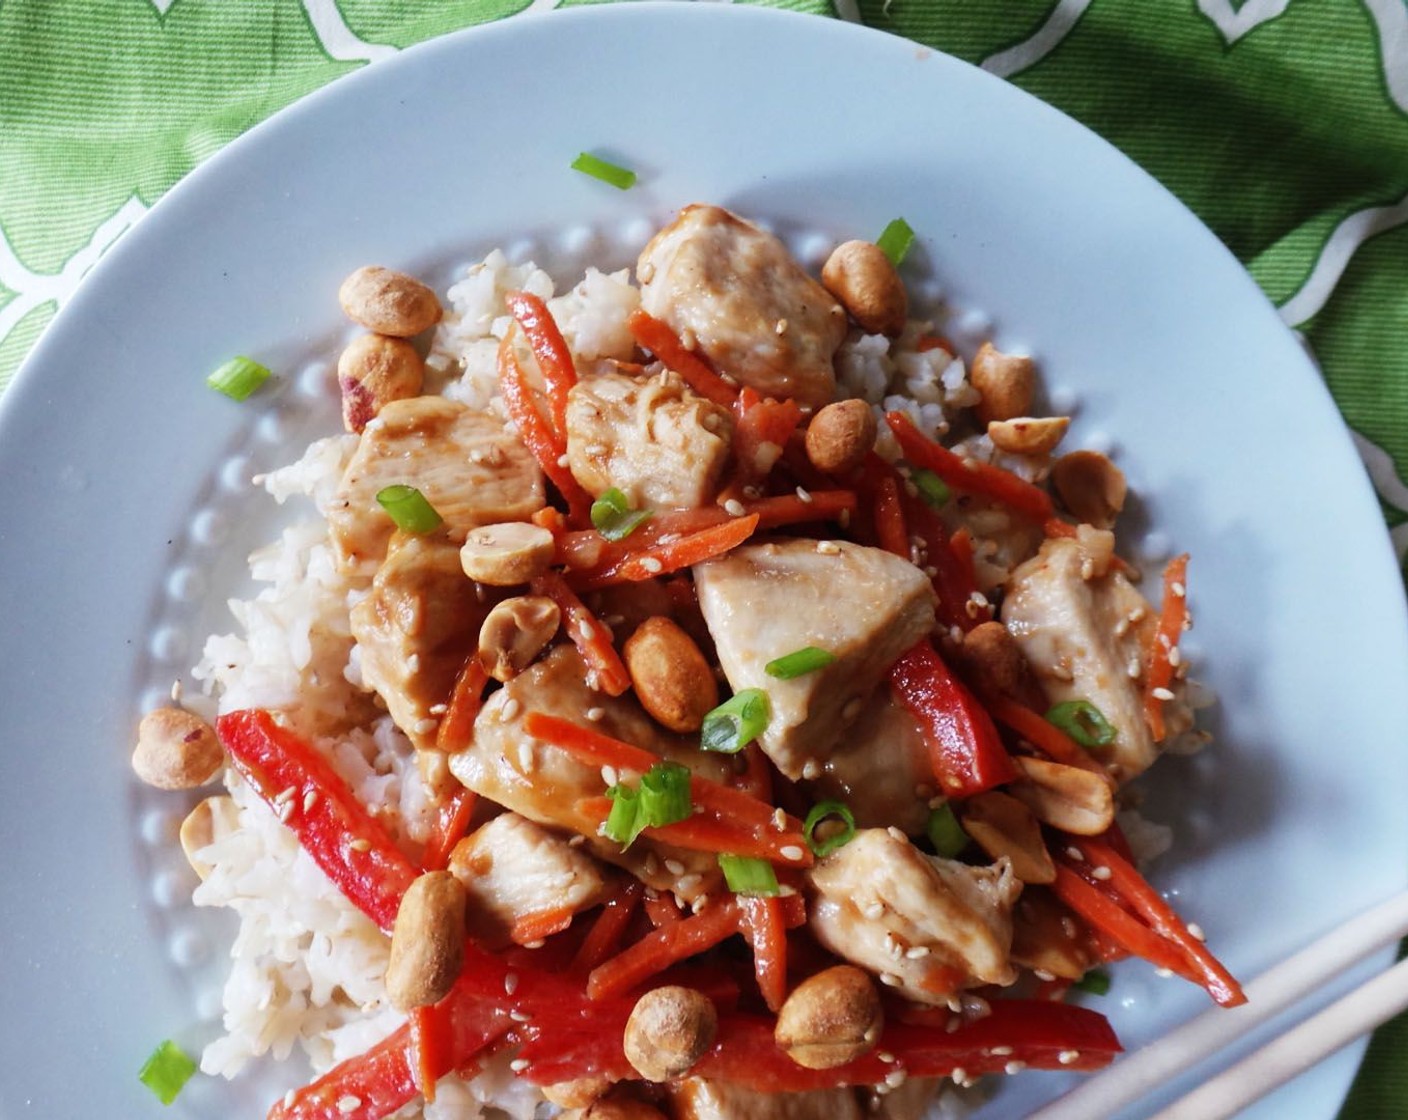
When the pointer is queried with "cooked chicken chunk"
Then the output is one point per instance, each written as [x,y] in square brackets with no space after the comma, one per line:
[881,768]
[415,628]
[698,1099]
[764,601]
[879,891]
[910,1101]
[470,468]
[512,869]
[748,306]
[1084,628]
[653,438]
[545,784]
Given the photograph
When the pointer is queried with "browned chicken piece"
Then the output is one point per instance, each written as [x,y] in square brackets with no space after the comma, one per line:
[1046,937]
[652,438]
[545,784]
[910,1101]
[1084,628]
[512,868]
[415,628]
[927,926]
[698,1099]
[881,768]
[470,468]
[736,294]
[764,601]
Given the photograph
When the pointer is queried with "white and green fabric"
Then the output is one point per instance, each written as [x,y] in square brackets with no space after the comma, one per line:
[1283,125]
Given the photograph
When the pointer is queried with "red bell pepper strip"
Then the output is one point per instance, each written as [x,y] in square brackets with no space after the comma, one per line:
[546,446]
[964,746]
[351,846]
[550,348]
[660,340]
[765,929]
[1173,620]
[591,637]
[890,529]
[971,477]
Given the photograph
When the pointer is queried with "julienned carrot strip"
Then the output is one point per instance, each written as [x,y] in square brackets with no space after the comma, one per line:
[665,557]
[763,926]
[550,348]
[889,518]
[1173,620]
[608,929]
[457,724]
[1135,890]
[449,830]
[596,749]
[1046,737]
[541,924]
[711,832]
[660,340]
[971,477]
[551,520]
[545,445]
[661,948]
[590,636]
[425,1050]
[661,909]
[1107,917]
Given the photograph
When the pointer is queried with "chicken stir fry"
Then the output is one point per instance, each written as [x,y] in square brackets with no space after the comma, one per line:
[748,801]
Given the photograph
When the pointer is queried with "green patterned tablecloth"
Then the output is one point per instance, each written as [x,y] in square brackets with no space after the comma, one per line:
[1283,125]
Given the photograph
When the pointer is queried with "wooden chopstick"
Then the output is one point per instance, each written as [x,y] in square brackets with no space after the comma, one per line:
[1282,986]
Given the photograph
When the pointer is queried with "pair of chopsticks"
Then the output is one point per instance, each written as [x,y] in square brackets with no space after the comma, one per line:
[1271,993]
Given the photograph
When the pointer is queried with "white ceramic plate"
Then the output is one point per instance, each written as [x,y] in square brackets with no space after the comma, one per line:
[127,515]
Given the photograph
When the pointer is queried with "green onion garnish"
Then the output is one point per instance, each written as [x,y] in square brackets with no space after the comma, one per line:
[895,241]
[736,722]
[1096,982]
[945,833]
[821,812]
[746,875]
[664,794]
[1083,722]
[619,177]
[166,1072]
[408,508]
[799,662]
[613,516]
[931,487]
[238,377]
[626,819]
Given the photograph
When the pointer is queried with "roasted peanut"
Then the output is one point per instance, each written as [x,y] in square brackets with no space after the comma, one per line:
[427,942]
[515,632]
[669,1030]
[830,1019]
[199,828]
[868,286]
[619,1106]
[1091,487]
[996,661]
[507,554]
[673,681]
[1028,435]
[1007,383]
[579,1093]
[176,750]
[388,302]
[1066,797]
[374,371]
[1003,826]
[840,436]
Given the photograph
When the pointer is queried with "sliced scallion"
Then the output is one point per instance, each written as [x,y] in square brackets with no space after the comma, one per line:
[895,241]
[238,378]
[627,818]
[613,516]
[619,177]
[664,794]
[408,508]
[1083,722]
[799,662]
[945,833]
[746,875]
[1096,982]
[166,1072]
[824,811]
[931,487]
[736,722]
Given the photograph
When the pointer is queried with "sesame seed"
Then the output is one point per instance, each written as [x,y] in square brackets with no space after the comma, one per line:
[518,1065]
[895,1078]
[526,761]
[519,1016]
[538,944]
[687,883]
[1137,614]
[811,770]
[916,952]
[1102,873]
[688,339]
[286,811]
[885,1056]
[852,708]
[596,715]
[563,460]
[597,450]
[1068,927]
[959,1074]
[651,864]
[1162,694]
[360,845]
[1175,657]
[512,708]
[1163,973]
[780,327]
[1075,853]
[874,910]
[1000,1051]
[889,979]
[828,548]
[1133,669]
[733,507]
[667,538]
[310,799]
[1178,590]
[1015,1067]
[779,819]
[1044,976]
[609,775]
[438,709]
[577,841]
[804,494]
[510,983]
[785,891]
[674,867]
[791,851]
[349,1103]
[893,947]
[699,903]
[1066,1057]
[1122,628]
[896,834]
[955,1005]
[285,795]
[1195,931]
[289,1098]
[651,565]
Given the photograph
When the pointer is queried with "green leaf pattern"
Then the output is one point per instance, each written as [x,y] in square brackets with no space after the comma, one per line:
[1283,125]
